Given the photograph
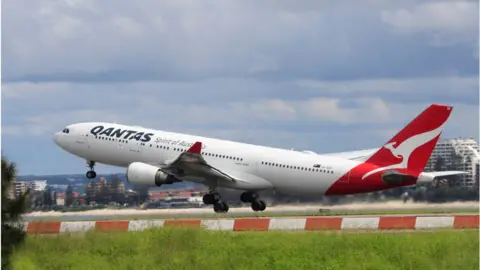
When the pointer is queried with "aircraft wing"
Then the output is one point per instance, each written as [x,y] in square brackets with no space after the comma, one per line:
[192,164]
[360,155]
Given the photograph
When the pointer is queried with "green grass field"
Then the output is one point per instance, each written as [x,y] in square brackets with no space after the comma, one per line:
[263,214]
[192,249]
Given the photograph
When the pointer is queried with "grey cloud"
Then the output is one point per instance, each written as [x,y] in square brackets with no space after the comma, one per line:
[442,20]
[94,41]
[149,100]
[317,106]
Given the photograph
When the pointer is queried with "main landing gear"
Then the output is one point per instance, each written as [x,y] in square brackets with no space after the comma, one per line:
[252,197]
[221,207]
[91,174]
[215,199]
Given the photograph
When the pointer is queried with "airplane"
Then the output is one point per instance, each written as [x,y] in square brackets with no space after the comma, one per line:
[156,158]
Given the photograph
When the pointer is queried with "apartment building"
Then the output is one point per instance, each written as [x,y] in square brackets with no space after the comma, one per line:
[459,154]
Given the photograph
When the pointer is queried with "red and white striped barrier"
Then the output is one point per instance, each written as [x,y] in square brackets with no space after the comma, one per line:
[264,224]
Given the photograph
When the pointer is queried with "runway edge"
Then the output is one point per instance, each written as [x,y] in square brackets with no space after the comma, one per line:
[331,223]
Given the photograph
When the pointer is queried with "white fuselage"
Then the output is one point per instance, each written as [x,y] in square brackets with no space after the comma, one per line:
[288,171]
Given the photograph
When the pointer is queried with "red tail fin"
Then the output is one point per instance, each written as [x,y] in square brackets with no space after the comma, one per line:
[412,146]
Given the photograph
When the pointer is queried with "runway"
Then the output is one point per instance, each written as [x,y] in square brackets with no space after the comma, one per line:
[391,208]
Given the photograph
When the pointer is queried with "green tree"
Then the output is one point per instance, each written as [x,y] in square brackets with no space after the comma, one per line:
[47,197]
[477,175]
[456,165]
[54,198]
[69,196]
[142,194]
[104,195]
[114,182]
[90,195]
[13,233]
[439,164]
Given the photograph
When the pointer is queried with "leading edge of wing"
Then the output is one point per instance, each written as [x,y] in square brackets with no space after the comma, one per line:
[193,160]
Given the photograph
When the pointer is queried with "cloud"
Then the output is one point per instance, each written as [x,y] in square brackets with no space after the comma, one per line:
[440,16]
[318,75]
[92,41]
[300,105]
[447,22]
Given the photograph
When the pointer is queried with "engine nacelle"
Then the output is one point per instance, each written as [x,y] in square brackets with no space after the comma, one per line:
[143,174]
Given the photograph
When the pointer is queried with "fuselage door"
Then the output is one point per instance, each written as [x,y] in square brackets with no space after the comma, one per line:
[80,137]
[85,140]
[345,178]
[136,147]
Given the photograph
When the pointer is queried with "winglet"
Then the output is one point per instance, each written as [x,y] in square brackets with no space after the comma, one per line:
[196,148]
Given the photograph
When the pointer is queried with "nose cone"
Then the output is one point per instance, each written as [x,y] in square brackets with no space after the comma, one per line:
[57,138]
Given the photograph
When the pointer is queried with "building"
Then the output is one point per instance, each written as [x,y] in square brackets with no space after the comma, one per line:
[60,198]
[100,185]
[19,188]
[458,154]
[37,185]
[11,191]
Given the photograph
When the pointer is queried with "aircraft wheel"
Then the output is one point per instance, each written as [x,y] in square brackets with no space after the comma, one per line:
[208,199]
[91,174]
[220,207]
[211,198]
[259,206]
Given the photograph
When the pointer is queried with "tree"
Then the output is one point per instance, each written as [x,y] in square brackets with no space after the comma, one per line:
[114,183]
[439,164]
[141,194]
[54,197]
[47,197]
[90,192]
[13,234]
[477,175]
[104,194]
[456,165]
[69,196]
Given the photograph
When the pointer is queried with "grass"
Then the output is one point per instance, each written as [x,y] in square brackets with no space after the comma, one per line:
[141,216]
[182,248]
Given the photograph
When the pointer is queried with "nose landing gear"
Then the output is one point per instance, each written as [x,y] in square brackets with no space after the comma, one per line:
[91,174]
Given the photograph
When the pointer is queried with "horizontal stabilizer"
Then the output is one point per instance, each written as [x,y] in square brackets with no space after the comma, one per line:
[428,177]
[446,173]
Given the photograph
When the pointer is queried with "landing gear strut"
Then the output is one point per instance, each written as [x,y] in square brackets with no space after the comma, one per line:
[253,198]
[91,174]
[215,199]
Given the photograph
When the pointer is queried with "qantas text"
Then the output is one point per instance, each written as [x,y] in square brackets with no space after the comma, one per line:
[121,133]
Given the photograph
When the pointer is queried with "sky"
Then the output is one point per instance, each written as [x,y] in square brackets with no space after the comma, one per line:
[323,76]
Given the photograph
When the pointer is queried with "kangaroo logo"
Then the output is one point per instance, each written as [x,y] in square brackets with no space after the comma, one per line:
[405,149]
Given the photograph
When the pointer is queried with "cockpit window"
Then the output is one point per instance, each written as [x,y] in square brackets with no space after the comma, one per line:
[66,131]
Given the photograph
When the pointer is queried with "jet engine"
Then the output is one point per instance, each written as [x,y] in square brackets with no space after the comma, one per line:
[143,174]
